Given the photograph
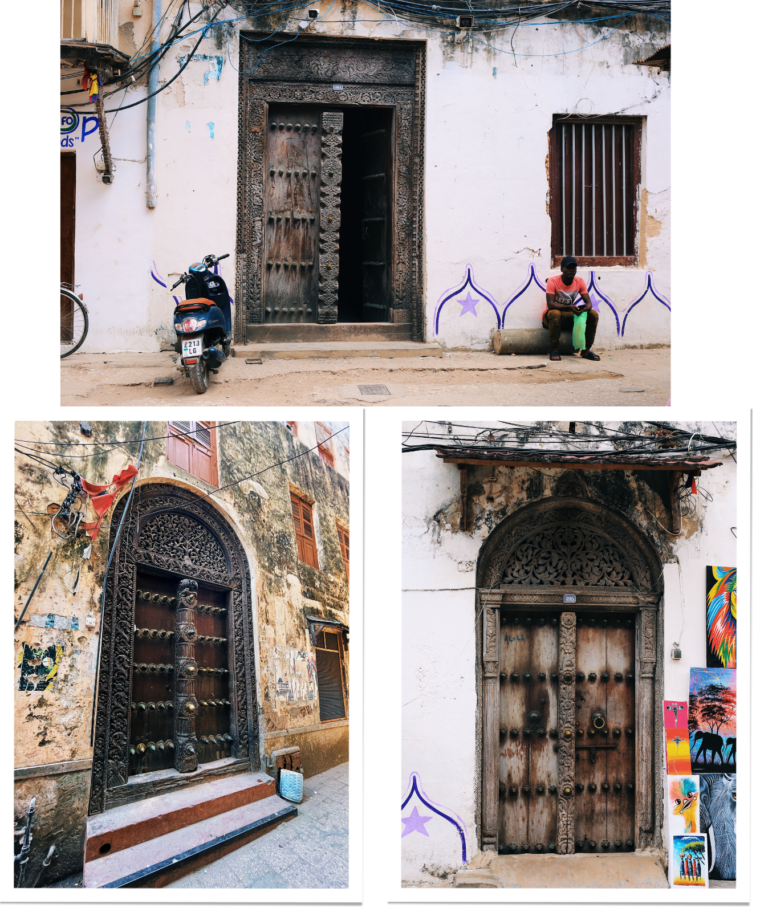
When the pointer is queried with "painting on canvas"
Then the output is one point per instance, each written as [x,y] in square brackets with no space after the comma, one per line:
[721,617]
[675,713]
[677,750]
[717,815]
[688,861]
[683,805]
[712,720]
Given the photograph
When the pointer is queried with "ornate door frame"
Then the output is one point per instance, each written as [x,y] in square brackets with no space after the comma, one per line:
[628,578]
[332,72]
[172,531]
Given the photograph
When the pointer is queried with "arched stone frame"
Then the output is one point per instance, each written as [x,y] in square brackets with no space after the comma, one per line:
[178,532]
[640,592]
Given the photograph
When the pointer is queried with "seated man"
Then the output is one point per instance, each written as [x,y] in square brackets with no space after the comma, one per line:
[562,293]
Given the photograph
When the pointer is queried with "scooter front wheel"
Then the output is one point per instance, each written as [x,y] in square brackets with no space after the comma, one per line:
[198,373]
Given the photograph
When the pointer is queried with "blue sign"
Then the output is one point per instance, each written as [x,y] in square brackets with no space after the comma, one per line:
[70,121]
[568,599]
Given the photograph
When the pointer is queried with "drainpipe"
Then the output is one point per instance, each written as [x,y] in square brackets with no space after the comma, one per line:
[151,197]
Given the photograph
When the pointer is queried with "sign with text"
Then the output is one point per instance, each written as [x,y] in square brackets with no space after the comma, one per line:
[76,127]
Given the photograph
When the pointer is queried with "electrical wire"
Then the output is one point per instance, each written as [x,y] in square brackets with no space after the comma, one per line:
[210,427]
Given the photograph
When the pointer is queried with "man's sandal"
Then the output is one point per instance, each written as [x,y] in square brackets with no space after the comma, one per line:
[554,356]
[590,356]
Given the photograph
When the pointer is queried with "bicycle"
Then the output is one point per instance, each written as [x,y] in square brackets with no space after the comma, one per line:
[75,320]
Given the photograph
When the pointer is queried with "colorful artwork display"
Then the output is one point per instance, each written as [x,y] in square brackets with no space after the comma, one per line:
[677,750]
[712,720]
[717,815]
[721,617]
[683,805]
[688,861]
[675,713]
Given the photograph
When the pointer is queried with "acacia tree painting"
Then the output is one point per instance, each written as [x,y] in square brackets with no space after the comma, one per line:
[712,720]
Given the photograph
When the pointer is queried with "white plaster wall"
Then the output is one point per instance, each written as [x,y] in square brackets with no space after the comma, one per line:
[487,120]
[438,647]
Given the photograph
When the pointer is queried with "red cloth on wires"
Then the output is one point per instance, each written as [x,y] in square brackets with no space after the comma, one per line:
[101,500]
[693,484]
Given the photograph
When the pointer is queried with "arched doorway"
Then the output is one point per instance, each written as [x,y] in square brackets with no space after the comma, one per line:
[176,622]
[570,681]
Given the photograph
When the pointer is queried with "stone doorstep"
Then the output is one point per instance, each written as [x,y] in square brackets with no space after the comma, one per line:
[327,332]
[397,349]
[140,821]
[162,860]
[584,871]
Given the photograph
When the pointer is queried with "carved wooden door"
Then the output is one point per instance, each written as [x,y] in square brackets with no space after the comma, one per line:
[567,733]
[180,702]
[302,213]
[376,182]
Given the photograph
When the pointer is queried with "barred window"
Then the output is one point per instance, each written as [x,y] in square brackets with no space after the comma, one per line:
[595,176]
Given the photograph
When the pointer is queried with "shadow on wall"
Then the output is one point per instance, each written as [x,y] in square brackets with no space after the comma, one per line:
[467,295]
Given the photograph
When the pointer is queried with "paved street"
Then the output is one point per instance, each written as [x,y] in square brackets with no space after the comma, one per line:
[622,377]
[308,852]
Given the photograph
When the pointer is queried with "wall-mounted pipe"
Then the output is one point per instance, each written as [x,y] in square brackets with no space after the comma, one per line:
[151,196]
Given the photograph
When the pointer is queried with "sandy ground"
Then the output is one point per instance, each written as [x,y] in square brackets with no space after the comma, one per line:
[457,378]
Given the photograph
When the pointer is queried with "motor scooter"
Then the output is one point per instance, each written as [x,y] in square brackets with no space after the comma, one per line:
[203,321]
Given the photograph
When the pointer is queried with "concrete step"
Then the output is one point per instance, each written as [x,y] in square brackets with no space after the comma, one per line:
[166,858]
[327,332]
[398,349]
[131,824]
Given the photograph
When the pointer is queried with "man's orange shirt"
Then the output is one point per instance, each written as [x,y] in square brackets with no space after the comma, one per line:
[565,294]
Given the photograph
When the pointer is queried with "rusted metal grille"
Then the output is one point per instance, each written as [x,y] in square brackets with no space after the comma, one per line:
[595,189]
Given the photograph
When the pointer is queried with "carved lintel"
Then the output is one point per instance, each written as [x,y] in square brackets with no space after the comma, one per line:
[551,596]
[566,728]
[185,673]
[329,215]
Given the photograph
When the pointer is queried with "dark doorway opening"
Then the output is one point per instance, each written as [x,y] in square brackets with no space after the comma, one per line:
[364,288]
[68,225]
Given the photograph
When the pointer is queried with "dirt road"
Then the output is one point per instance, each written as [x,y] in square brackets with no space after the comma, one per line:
[627,377]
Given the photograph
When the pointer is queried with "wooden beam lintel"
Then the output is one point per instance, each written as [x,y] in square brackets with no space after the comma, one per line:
[683,469]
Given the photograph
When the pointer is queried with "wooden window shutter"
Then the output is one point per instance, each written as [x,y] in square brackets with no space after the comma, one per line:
[192,447]
[344,548]
[332,704]
[303,522]
[324,448]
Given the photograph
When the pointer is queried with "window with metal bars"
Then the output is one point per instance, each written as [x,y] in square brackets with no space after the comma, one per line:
[192,446]
[329,654]
[303,521]
[595,174]
[344,545]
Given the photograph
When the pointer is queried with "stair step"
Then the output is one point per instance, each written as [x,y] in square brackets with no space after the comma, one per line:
[120,828]
[327,332]
[162,860]
[362,349]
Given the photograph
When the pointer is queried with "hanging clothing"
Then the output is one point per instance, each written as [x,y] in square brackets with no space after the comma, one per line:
[101,497]
[91,84]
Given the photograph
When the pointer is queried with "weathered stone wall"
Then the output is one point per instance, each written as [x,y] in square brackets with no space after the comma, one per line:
[56,645]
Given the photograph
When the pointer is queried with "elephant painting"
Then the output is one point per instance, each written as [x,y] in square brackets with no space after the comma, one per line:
[707,743]
[717,818]
[731,746]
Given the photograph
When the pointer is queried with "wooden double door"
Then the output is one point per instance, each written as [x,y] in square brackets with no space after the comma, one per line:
[567,730]
[328,176]
[201,662]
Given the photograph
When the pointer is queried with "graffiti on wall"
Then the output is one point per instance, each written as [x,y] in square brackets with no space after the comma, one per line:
[295,674]
[468,294]
[416,822]
[39,667]
[721,617]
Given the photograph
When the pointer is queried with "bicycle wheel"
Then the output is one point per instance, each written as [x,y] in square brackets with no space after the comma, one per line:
[74,323]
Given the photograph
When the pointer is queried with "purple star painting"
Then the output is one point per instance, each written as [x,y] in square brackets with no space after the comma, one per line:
[415,823]
[468,304]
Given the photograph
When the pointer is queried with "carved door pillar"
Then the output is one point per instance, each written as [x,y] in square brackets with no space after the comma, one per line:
[645,723]
[566,732]
[490,812]
[185,673]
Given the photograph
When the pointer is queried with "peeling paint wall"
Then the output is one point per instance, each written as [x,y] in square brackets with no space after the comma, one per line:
[56,645]
[440,740]
[488,110]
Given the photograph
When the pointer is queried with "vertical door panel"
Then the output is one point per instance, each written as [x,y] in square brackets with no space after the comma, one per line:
[68,223]
[292,181]
[212,688]
[590,697]
[621,715]
[376,182]
[542,699]
[514,751]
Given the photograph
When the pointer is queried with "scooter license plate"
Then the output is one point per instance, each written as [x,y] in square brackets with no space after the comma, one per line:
[192,348]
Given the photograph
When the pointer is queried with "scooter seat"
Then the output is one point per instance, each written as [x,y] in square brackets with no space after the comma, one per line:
[195,304]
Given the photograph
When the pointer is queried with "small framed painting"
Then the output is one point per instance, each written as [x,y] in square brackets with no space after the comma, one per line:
[688,860]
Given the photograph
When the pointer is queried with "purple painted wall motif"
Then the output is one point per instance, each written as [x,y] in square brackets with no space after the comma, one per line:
[650,286]
[469,302]
[416,822]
